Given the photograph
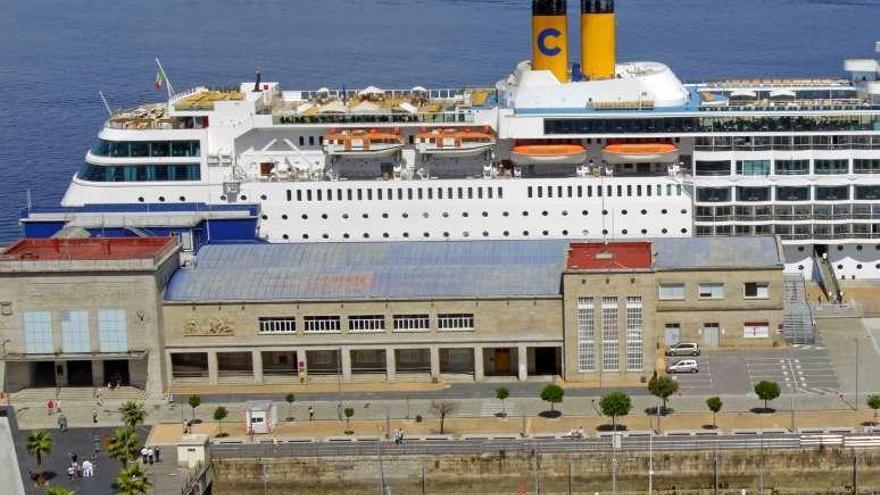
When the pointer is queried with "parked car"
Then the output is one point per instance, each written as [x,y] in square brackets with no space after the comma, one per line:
[683,349]
[684,366]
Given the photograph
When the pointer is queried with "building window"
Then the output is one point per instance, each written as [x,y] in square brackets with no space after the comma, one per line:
[112,330]
[412,323]
[610,345]
[455,322]
[756,290]
[712,290]
[586,329]
[634,331]
[75,331]
[756,330]
[671,291]
[38,332]
[321,324]
[275,325]
[366,323]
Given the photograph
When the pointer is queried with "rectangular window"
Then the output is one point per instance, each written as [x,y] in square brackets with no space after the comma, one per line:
[276,325]
[753,167]
[75,331]
[321,324]
[610,344]
[455,321]
[634,331]
[756,290]
[586,329]
[792,167]
[412,323]
[671,291]
[366,324]
[711,290]
[756,330]
[38,332]
[112,330]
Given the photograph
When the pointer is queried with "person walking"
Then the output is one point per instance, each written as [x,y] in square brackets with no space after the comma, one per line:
[144,454]
[150,454]
[94,416]
[311,413]
[156,451]
[88,469]
[50,406]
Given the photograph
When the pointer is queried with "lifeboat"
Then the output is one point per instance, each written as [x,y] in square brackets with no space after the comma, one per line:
[363,143]
[546,154]
[455,142]
[640,153]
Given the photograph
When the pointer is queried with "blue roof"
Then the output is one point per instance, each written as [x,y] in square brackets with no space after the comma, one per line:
[716,252]
[374,270]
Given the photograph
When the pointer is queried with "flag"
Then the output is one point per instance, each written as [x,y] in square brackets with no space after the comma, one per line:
[161,78]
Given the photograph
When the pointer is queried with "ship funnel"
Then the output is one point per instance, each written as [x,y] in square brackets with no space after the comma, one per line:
[550,37]
[598,39]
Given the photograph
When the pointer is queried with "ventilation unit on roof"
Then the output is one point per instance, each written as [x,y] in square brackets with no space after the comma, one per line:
[604,255]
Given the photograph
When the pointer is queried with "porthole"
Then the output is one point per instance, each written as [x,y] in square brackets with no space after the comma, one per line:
[525,233]
[264,217]
[585,213]
[345,236]
[141,199]
[684,231]
[801,249]
[624,232]
[544,213]
[345,216]
[564,232]
[182,199]
[406,235]
[305,236]
[801,267]
[465,214]
[664,211]
[324,216]
[877,247]
[644,212]
[446,234]
[684,211]
[485,214]
[604,231]
[405,215]
[263,197]
[366,235]
[840,267]
[664,231]
[161,199]
[365,215]
[445,214]
[859,247]
[505,214]
[285,237]
[859,266]
[525,213]
[223,197]
[284,217]
[325,236]
[565,213]
[877,266]
[644,231]
[425,215]
[545,233]
[243,197]
[384,215]
[485,233]
[305,217]
[385,235]
[465,234]
[840,248]
[426,235]
[604,212]
[623,212]
[507,233]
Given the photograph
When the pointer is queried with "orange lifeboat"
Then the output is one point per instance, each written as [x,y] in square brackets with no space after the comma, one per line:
[640,153]
[363,143]
[544,154]
[455,142]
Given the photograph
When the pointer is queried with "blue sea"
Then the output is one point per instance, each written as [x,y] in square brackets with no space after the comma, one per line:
[55,55]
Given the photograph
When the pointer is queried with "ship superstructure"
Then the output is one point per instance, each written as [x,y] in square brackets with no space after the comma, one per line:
[600,149]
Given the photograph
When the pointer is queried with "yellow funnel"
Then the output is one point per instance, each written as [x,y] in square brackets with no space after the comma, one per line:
[598,39]
[550,37]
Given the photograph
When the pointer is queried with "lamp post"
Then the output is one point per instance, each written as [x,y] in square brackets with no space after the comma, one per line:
[5,372]
[856,340]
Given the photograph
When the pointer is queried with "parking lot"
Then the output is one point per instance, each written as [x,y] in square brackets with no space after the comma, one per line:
[807,370]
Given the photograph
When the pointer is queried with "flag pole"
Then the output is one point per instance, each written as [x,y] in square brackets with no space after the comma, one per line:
[167,80]
[106,105]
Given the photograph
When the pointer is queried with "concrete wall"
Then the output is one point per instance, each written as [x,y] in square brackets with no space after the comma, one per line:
[784,472]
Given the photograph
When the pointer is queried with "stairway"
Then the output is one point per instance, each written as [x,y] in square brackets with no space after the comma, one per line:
[826,278]
[77,394]
[797,321]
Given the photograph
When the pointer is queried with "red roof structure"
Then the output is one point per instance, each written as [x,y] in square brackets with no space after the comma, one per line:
[617,256]
[117,248]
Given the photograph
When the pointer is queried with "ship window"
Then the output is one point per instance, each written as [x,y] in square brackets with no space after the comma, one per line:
[558,191]
[360,196]
[439,193]
[160,149]
[139,149]
[489,192]
[470,192]
[620,192]
[479,193]
[299,195]
[349,194]
[369,195]
[648,189]
[419,192]
[678,189]
[339,195]
[302,140]
[449,194]
[409,194]
[430,193]
[608,191]
[460,193]
[629,190]
[669,189]
[139,173]
[580,191]
[289,195]
[311,140]
[399,193]
[319,194]
[659,189]
[831,167]
[540,192]
[638,190]
[308,195]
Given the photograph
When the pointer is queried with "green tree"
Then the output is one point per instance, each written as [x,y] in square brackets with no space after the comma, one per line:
[349,412]
[553,394]
[289,398]
[874,403]
[132,480]
[662,387]
[615,405]
[501,393]
[133,413]
[443,408]
[714,404]
[124,445]
[59,490]
[194,401]
[767,391]
[219,415]
[38,443]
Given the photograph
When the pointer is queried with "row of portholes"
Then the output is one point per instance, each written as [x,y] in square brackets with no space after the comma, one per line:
[464,214]
[446,235]
[161,199]
[840,267]
[840,248]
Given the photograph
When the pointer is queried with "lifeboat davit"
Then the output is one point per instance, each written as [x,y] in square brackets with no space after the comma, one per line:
[545,154]
[640,153]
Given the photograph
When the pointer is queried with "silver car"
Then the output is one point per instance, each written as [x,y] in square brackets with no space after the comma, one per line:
[684,366]
[683,349]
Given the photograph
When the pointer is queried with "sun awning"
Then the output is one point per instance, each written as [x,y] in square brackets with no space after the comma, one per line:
[743,93]
[782,94]
[371,91]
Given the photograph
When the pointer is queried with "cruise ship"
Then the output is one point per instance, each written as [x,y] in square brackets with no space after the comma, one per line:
[594,148]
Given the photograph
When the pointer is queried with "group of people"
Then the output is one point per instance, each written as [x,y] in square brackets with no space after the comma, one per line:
[576,432]
[149,455]
[75,470]
[399,436]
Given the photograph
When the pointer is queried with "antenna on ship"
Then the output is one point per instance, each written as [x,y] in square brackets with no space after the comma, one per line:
[106,105]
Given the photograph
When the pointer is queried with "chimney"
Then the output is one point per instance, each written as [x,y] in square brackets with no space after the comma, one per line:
[598,39]
[550,37]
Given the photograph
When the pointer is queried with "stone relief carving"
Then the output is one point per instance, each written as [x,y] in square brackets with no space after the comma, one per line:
[209,327]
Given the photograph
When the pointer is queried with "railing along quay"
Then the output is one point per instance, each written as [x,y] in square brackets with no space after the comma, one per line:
[633,443]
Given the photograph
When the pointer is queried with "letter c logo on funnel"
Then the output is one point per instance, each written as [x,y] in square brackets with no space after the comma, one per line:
[542,42]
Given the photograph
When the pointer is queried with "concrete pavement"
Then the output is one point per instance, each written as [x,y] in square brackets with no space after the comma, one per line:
[10,472]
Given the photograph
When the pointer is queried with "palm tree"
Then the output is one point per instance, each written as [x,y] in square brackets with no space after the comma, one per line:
[59,490]
[38,443]
[132,480]
[133,413]
[124,445]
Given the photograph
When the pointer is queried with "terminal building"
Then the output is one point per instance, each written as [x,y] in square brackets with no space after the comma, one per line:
[253,313]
